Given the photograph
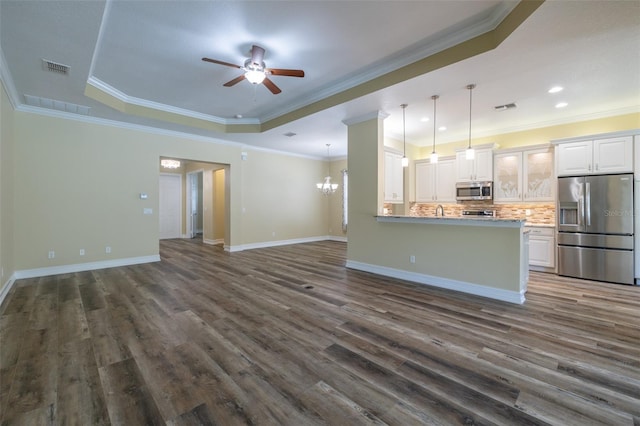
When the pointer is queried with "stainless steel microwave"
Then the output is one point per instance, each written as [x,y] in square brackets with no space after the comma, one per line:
[475,191]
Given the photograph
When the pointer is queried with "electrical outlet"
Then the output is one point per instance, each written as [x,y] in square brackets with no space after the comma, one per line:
[412,259]
[273,234]
[81,252]
[107,249]
[52,254]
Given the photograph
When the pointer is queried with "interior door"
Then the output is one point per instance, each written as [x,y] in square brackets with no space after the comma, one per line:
[170,200]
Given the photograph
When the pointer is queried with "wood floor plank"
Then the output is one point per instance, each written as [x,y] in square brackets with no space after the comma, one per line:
[288,336]
[129,401]
[80,397]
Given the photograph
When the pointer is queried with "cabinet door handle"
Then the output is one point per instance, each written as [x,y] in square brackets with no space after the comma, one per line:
[596,166]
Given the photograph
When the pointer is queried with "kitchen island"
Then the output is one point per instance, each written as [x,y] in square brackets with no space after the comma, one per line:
[481,256]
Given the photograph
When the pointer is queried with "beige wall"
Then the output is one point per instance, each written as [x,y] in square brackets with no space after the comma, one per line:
[80,186]
[280,199]
[219,205]
[7,235]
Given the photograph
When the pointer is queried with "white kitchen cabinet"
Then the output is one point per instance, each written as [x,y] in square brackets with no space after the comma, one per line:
[435,182]
[542,248]
[478,169]
[524,176]
[393,178]
[599,156]
[507,178]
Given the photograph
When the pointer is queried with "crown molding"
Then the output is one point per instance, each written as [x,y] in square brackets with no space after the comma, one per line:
[7,81]
[439,42]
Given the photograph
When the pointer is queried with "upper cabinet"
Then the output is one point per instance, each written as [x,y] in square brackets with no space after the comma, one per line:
[393,178]
[436,182]
[599,156]
[478,169]
[524,176]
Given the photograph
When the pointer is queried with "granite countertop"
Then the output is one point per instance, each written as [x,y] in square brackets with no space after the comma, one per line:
[455,220]
[539,225]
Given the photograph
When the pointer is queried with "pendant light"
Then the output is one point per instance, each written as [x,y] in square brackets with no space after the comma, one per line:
[470,153]
[405,160]
[434,154]
[326,187]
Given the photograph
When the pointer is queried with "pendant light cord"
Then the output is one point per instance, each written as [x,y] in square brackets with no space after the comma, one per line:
[404,132]
[470,87]
[434,97]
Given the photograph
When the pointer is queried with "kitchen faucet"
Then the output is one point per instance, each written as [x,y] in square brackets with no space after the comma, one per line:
[441,210]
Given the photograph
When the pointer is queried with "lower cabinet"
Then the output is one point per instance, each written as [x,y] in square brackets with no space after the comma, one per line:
[542,248]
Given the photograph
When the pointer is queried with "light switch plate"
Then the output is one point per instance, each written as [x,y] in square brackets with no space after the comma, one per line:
[147,210]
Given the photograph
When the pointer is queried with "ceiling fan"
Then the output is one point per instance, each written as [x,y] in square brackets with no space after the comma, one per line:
[256,72]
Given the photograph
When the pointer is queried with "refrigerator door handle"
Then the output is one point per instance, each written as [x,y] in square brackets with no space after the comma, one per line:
[587,206]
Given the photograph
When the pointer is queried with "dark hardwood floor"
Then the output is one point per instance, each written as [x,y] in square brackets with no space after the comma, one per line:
[287,335]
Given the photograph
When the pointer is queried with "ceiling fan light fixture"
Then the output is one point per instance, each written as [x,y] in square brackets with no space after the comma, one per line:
[255,76]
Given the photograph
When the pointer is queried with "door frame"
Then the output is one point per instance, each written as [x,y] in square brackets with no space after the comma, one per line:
[189,222]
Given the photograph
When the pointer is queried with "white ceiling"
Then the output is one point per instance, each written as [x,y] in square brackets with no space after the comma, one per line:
[149,52]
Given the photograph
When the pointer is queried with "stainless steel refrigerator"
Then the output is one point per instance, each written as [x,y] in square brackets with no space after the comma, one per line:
[595,227]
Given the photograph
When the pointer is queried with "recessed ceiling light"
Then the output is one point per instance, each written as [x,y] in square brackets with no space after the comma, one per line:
[442,128]
[237,116]
[289,134]
[424,119]
[556,89]
[561,104]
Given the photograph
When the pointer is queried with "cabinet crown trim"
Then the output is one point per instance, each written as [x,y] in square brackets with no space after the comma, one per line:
[483,146]
[596,136]
[524,148]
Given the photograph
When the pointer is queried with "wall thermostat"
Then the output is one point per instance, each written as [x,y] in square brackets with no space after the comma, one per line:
[143,195]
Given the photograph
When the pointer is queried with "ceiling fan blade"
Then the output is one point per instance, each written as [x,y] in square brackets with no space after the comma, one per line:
[285,72]
[271,86]
[234,81]
[257,54]
[215,61]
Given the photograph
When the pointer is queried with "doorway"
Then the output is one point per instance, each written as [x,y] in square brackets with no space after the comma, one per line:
[195,205]
[202,203]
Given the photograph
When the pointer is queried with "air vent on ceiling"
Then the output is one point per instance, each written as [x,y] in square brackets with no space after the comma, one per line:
[55,67]
[290,134]
[38,101]
[505,107]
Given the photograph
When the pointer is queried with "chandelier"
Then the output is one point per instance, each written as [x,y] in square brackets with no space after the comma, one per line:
[326,187]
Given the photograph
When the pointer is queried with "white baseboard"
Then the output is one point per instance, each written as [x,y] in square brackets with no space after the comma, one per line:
[80,267]
[7,287]
[337,238]
[462,286]
[267,244]
[213,242]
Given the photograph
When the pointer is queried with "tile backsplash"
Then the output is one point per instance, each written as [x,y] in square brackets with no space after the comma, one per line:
[538,213]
